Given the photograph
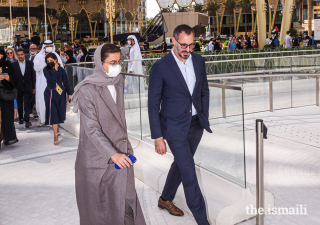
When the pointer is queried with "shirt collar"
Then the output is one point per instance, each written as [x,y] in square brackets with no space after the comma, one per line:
[178,61]
[24,61]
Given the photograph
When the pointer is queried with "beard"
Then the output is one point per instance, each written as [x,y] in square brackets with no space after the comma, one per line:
[183,51]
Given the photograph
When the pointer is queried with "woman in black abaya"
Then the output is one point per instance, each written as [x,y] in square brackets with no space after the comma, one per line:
[7,129]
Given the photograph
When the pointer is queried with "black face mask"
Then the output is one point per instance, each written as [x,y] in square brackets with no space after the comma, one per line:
[50,65]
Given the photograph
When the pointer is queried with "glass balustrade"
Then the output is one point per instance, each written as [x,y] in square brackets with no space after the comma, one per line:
[231,97]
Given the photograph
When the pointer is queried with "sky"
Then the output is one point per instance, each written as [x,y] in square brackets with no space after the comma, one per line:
[152,8]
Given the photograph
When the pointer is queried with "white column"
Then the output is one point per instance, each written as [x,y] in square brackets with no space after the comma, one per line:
[11,26]
[45,18]
[29,20]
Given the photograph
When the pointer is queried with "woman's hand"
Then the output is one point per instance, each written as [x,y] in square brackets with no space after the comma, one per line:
[69,98]
[121,160]
[56,65]
[6,77]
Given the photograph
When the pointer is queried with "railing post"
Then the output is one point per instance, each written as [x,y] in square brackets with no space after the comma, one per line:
[259,173]
[140,109]
[271,94]
[317,90]
[291,92]
[224,114]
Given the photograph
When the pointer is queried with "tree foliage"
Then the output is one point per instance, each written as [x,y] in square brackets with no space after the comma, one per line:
[212,8]
[230,5]
[246,7]
[199,8]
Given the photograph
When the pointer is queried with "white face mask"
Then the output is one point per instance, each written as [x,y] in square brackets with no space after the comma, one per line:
[113,70]
[33,53]
[49,49]
[129,42]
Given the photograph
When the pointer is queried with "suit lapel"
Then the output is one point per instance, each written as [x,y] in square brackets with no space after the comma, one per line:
[27,67]
[18,65]
[105,94]
[196,67]
[176,70]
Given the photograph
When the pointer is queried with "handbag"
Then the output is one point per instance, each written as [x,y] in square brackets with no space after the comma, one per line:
[8,95]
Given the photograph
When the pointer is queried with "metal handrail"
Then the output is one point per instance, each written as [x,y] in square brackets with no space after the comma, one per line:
[135,75]
[291,56]
[263,76]
[236,88]
[259,53]
[263,71]
[270,76]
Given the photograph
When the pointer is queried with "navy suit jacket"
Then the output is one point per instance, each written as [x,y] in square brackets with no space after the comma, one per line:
[29,77]
[170,102]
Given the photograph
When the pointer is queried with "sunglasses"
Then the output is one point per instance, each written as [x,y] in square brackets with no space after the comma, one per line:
[9,53]
[185,46]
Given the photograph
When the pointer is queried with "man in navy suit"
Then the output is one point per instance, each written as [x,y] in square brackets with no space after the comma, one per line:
[178,106]
[25,80]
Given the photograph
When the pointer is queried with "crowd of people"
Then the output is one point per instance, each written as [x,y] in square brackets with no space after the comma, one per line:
[235,43]
[33,80]
[36,73]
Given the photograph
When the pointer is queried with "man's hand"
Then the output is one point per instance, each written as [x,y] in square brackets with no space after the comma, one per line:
[1,77]
[121,160]
[160,146]
[33,91]
[130,71]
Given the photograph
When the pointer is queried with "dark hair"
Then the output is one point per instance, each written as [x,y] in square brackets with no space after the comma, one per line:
[20,50]
[123,42]
[51,55]
[182,28]
[288,32]
[69,53]
[108,48]
[39,47]
[2,52]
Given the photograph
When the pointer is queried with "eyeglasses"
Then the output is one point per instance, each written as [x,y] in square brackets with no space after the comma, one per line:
[114,63]
[185,46]
[9,53]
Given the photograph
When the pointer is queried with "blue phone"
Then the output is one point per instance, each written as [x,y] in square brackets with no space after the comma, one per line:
[133,160]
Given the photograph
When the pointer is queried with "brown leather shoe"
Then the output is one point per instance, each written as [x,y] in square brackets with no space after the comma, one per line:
[172,209]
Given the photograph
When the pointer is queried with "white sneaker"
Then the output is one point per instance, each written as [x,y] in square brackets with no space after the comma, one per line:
[40,124]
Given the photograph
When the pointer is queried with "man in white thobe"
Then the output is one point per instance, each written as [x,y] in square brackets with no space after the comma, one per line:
[135,67]
[41,81]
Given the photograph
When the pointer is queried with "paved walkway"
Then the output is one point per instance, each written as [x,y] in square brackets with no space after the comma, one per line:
[37,183]
[292,166]
[37,178]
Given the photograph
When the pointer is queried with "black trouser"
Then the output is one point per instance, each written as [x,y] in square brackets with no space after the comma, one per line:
[24,97]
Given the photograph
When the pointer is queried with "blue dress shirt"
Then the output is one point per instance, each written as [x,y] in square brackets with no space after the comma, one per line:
[188,73]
